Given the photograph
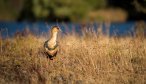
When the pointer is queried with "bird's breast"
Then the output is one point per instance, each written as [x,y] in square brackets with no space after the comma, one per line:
[52,52]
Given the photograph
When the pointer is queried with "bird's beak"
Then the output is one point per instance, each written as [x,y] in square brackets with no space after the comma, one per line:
[60,30]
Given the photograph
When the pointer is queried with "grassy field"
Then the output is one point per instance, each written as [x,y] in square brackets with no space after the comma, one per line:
[87,59]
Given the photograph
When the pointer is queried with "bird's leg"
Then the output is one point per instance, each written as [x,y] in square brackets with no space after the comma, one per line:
[50,57]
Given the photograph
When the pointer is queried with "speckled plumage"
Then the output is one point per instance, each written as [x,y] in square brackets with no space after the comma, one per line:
[51,46]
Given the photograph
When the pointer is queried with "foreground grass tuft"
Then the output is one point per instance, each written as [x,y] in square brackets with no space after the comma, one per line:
[81,60]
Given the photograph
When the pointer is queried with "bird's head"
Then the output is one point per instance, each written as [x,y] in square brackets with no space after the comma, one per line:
[55,29]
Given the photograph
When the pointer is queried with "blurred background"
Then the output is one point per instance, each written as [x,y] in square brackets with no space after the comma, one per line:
[72,11]
[19,14]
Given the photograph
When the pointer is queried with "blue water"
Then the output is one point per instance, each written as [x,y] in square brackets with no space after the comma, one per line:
[115,29]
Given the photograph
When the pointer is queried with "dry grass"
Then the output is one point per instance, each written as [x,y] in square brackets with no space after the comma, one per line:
[87,59]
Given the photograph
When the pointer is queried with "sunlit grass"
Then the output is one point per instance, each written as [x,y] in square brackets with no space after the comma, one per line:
[87,59]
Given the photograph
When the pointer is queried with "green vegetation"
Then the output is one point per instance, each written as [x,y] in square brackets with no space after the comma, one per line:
[7,11]
[141,7]
[64,9]
[69,10]
[81,60]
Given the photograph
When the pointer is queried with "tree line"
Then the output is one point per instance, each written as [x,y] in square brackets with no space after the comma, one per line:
[66,10]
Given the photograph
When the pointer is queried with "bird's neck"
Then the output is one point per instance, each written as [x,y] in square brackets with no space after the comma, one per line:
[54,37]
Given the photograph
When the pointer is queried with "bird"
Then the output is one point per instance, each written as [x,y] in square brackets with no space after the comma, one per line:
[51,45]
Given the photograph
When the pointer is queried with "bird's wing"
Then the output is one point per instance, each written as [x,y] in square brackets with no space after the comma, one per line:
[52,52]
